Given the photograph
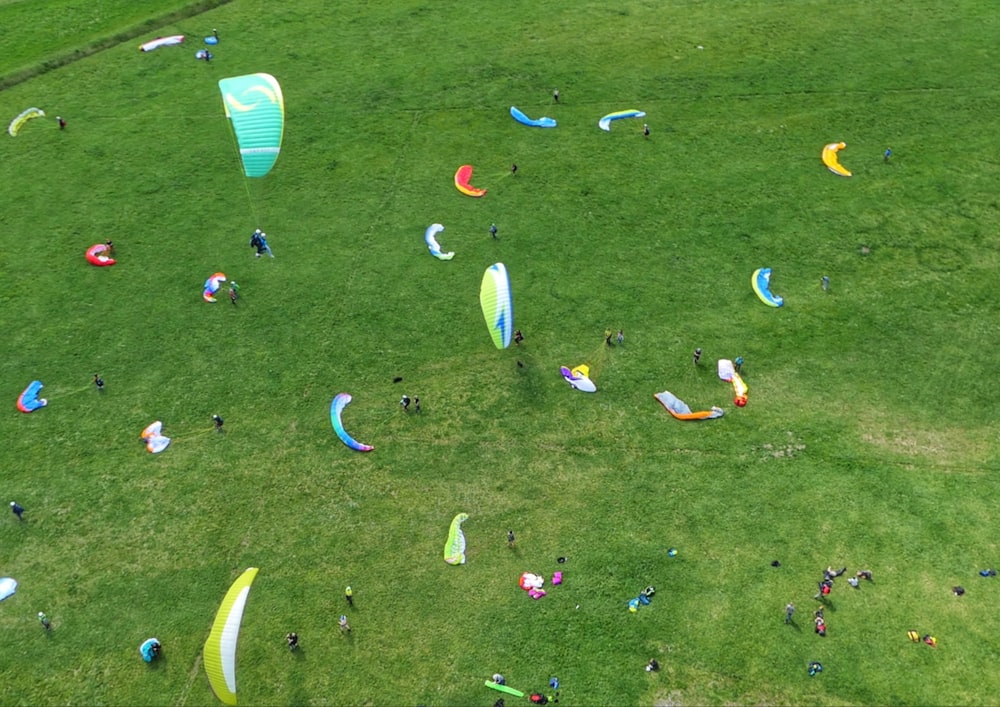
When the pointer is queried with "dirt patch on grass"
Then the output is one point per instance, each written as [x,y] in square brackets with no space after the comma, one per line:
[944,447]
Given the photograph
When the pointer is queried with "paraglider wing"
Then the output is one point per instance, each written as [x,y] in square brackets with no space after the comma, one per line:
[23,117]
[432,245]
[534,122]
[680,410]
[462,177]
[220,648]
[8,585]
[579,378]
[761,283]
[28,400]
[340,401]
[454,549]
[256,108]
[96,256]
[161,42]
[497,304]
[154,438]
[212,286]
[605,122]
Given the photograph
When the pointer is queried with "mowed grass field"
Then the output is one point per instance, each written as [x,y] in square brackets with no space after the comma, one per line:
[870,437]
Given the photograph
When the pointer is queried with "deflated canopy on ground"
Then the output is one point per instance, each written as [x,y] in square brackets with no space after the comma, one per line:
[212,286]
[727,372]
[832,160]
[454,549]
[536,122]
[154,438]
[28,400]
[679,409]
[605,122]
[161,42]
[8,585]
[220,648]
[497,304]
[761,283]
[96,255]
[340,401]
[256,108]
[432,245]
[23,117]
[462,177]
[579,378]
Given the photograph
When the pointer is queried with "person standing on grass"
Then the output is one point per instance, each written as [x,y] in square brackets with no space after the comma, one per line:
[44,621]
[405,403]
[293,640]
[345,627]
[510,538]
[697,356]
[789,611]
[349,596]
[17,509]
[621,337]
[218,422]
[62,123]
[234,291]
[518,337]
[607,337]
[513,170]
[416,404]
[887,154]
[645,129]
[98,381]
[493,231]
[555,95]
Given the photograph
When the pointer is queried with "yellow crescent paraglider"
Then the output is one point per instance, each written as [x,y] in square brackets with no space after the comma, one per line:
[831,160]
[220,648]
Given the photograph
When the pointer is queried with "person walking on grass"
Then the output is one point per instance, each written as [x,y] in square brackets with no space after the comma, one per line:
[345,627]
[17,509]
[405,403]
[44,621]
[349,596]
[234,291]
[98,382]
[493,231]
[218,422]
[697,356]
[555,95]
[510,538]
[789,611]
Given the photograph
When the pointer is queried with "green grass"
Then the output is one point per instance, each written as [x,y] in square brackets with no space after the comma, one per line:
[869,440]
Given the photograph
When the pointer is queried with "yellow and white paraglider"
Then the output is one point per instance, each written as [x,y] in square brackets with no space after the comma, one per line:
[15,125]
[832,160]
[220,648]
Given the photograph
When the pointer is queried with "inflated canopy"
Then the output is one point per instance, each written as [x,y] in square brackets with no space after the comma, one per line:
[497,304]
[256,108]
[220,648]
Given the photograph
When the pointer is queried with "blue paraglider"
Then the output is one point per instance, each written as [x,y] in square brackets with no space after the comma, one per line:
[28,401]
[150,649]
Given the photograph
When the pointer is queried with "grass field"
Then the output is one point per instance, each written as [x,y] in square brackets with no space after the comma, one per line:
[870,439]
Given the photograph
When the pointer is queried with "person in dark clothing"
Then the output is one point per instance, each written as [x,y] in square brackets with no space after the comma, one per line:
[218,422]
[293,640]
[405,403]
[697,356]
[17,509]
[98,381]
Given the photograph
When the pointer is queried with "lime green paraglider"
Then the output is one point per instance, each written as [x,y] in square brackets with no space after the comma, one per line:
[256,108]
[220,648]
[454,549]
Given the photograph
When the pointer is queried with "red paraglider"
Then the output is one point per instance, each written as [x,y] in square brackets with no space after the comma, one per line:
[100,255]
